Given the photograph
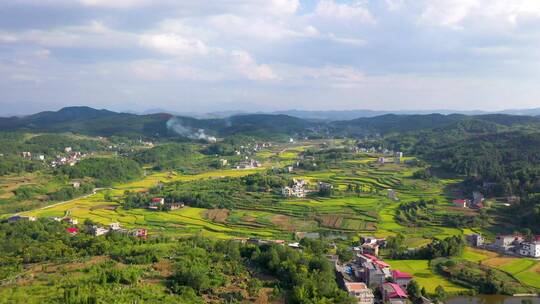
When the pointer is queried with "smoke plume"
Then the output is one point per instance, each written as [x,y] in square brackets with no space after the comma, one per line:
[174,124]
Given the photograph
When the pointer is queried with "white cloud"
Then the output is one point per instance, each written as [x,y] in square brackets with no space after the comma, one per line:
[93,35]
[173,44]
[335,76]
[448,12]
[244,64]
[282,6]
[455,13]
[394,4]
[115,3]
[343,11]
[345,40]
[151,69]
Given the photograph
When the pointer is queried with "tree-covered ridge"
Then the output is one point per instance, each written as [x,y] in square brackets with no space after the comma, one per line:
[105,171]
[90,121]
[177,156]
[156,270]
[214,193]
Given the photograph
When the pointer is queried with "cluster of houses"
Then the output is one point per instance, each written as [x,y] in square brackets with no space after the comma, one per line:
[249,149]
[247,164]
[71,159]
[477,201]
[28,155]
[298,189]
[98,230]
[17,218]
[95,230]
[158,203]
[295,245]
[512,244]
[367,272]
[396,158]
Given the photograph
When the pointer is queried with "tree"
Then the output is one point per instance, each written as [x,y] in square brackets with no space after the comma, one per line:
[344,253]
[414,292]
[440,293]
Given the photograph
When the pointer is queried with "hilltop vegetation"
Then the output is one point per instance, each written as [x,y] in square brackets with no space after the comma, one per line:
[159,270]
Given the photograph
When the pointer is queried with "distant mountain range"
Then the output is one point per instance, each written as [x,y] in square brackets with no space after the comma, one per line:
[86,120]
[347,114]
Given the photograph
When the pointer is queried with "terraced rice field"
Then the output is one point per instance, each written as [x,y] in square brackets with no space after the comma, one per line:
[525,270]
[368,212]
[422,273]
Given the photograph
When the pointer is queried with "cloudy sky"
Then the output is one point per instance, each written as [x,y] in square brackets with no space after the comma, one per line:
[201,56]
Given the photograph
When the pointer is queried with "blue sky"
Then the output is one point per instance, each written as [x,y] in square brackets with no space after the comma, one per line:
[202,56]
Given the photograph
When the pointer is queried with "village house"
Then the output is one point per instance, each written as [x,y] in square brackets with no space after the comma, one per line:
[397,157]
[114,226]
[17,218]
[156,203]
[478,200]
[381,160]
[392,293]
[141,232]
[530,249]
[401,278]
[223,162]
[507,242]
[249,164]
[374,272]
[360,291]
[461,203]
[371,245]
[392,194]
[294,245]
[40,157]
[297,190]
[26,154]
[67,149]
[76,184]
[325,186]
[97,231]
[175,206]
[512,199]
[475,239]
[70,221]
[72,230]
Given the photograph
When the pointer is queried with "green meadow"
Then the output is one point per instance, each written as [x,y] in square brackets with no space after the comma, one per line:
[424,275]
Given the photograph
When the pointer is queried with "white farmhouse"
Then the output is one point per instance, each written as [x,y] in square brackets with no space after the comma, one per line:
[530,249]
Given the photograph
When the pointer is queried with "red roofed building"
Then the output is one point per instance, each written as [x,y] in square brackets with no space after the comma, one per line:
[140,232]
[461,203]
[376,261]
[401,278]
[72,230]
[158,201]
[393,293]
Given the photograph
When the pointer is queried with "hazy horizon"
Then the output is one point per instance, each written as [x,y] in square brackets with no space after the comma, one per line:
[269,55]
[369,112]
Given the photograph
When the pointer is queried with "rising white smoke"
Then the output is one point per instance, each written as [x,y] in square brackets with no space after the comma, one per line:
[174,124]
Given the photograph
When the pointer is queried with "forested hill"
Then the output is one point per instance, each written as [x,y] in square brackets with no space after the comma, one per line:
[86,120]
